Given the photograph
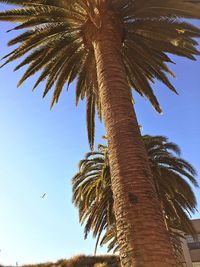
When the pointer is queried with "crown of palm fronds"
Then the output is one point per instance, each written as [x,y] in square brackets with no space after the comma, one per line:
[92,193]
[55,43]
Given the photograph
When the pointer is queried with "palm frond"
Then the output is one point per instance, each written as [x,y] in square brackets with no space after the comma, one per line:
[151,30]
[92,192]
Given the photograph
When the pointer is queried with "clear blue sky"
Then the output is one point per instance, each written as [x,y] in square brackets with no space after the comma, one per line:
[40,150]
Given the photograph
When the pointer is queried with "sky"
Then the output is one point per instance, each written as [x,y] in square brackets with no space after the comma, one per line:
[40,150]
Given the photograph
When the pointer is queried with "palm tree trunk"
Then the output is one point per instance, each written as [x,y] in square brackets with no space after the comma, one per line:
[142,234]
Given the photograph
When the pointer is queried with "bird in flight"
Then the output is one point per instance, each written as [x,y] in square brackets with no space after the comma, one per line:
[43,195]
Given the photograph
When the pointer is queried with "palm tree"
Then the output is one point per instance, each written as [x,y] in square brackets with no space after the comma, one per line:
[111,46]
[92,192]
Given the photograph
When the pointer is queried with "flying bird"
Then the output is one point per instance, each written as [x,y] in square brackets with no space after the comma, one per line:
[43,195]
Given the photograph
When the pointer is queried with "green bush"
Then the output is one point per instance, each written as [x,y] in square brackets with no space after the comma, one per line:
[82,261]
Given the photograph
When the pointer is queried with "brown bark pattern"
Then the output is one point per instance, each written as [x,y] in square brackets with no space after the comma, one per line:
[142,234]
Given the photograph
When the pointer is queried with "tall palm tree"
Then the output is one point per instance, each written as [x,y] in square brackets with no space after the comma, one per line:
[111,46]
[92,192]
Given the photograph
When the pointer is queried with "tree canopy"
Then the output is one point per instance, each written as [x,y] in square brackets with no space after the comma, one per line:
[173,176]
[56,40]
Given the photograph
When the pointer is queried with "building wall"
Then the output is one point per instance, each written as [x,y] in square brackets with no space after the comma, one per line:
[191,247]
[186,253]
[195,255]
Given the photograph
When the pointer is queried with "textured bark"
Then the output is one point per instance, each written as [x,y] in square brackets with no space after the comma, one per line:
[142,234]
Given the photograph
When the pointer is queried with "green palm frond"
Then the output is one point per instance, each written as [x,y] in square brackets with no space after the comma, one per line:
[55,42]
[173,176]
